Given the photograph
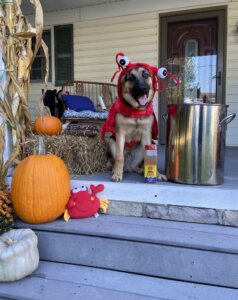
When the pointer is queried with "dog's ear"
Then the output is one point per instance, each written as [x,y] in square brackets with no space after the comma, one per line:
[129,77]
[126,77]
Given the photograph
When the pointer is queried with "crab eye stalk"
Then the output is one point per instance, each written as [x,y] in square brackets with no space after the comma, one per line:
[123,61]
[162,73]
[79,189]
[75,190]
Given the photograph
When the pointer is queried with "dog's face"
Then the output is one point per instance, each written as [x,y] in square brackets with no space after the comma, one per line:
[137,88]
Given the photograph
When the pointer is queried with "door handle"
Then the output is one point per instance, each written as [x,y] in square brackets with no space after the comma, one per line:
[218,77]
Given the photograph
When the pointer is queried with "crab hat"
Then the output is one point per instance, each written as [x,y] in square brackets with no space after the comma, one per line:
[158,74]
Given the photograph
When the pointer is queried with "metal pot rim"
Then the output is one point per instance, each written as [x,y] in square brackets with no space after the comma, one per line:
[200,104]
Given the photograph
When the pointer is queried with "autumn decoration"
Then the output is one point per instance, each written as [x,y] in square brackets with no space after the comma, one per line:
[47,125]
[19,255]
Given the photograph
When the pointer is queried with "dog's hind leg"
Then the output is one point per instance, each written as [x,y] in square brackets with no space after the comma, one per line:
[137,159]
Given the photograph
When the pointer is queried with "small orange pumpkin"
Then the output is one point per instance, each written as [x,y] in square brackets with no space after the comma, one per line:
[48,125]
[40,188]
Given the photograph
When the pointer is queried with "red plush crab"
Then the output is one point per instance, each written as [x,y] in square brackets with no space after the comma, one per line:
[83,204]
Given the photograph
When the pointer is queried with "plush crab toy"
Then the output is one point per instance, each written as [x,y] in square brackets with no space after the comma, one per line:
[83,204]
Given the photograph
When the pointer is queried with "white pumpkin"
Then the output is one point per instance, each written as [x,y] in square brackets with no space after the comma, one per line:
[19,255]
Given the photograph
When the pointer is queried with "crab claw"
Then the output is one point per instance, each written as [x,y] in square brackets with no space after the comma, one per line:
[103,205]
[66,216]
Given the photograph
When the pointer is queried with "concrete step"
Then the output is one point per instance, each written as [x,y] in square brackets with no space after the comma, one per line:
[167,200]
[63,281]
[198,253]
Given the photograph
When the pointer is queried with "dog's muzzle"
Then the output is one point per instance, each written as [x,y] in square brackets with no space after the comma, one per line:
[140,93]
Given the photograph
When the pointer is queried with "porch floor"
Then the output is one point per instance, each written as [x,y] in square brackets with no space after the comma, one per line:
[217,204]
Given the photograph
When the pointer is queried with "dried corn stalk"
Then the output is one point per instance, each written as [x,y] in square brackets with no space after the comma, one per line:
[16,58]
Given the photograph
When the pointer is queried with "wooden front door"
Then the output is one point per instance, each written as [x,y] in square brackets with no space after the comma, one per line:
[192,48]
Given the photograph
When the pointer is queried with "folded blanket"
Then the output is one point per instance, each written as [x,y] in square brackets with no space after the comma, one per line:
[85,114]
[81,130]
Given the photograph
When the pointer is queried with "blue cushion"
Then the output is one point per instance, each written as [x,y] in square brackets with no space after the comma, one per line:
[78,103]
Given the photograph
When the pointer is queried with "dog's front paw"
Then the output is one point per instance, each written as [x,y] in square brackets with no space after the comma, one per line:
[161,176]
[117,175]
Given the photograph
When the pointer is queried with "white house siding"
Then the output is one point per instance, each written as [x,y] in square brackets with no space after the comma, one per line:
[97,42]
[101,32]
[232,71]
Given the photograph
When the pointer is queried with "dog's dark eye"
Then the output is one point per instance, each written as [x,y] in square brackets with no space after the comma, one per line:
[145,74]
[131,77]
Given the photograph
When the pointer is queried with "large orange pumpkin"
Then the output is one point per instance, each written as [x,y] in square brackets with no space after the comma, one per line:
[40,188]
[48,125]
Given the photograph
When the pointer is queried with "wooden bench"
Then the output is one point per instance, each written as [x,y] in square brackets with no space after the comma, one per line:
[102,95]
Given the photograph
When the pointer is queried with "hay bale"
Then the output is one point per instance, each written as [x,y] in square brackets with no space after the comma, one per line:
[83,155]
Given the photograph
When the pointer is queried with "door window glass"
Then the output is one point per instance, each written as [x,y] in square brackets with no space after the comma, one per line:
[192,56]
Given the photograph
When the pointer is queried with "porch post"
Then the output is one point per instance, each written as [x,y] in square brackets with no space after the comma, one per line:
[8,131]
[3,78]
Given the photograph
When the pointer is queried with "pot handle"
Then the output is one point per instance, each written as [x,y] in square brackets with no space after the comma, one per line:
[227,119]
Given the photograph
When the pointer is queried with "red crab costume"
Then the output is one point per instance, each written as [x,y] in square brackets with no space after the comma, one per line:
[121,107]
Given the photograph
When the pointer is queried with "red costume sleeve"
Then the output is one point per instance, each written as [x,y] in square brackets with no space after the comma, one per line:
[154,128]
[109,125]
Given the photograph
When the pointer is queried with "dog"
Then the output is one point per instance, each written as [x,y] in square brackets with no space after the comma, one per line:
[131,123]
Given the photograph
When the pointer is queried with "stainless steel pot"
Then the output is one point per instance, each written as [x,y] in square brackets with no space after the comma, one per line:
[195,146]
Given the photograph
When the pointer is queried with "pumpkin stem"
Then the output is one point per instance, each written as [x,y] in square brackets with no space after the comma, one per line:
[9,242]
[41,145]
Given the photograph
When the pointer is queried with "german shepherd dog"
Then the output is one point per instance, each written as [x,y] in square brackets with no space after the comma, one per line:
[137,93]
